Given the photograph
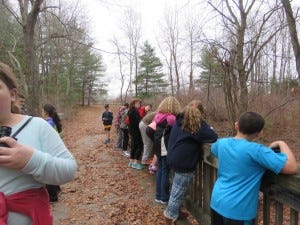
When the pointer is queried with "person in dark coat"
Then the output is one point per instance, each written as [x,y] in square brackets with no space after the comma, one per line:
[187,136]
[135,134]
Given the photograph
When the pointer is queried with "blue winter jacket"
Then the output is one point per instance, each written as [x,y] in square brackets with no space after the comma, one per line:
[184,148]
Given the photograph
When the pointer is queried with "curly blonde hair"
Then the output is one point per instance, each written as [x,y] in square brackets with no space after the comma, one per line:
[191,119]
[9,79]
[169,105]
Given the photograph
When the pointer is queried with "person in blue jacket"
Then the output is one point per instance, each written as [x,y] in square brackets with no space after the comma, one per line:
[187,136]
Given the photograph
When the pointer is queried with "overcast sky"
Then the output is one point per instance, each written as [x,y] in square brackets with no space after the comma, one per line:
[106,18]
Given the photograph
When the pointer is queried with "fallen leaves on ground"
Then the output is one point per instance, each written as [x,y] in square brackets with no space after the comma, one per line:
[106,191]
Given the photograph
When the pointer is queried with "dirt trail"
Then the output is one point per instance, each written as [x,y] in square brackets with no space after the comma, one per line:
[106,191]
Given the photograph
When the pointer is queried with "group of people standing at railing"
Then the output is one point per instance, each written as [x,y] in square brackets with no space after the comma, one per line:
[175,136]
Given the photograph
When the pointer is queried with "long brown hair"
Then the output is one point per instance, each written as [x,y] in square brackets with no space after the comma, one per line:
[191,119]
[133,101]
[9,79]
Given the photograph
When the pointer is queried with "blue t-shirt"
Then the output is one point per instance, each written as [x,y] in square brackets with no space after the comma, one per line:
[241,166]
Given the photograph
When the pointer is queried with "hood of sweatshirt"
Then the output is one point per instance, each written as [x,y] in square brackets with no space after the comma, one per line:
[160,117]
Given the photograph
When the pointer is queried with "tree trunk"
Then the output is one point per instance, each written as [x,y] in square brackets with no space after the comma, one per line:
[171,75]
[29,20]
[191,86]
[176,73]
[293,33]
[240,64]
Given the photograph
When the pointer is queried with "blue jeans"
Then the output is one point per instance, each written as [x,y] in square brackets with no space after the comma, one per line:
[162,179]
[180,185]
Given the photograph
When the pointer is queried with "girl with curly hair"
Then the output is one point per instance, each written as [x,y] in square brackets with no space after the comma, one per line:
[188,135]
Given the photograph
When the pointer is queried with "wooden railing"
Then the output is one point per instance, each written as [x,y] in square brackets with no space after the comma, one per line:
[279,200]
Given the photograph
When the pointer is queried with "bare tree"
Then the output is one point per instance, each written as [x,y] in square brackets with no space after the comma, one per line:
[171,36]
[246,46]
[193,30]
[29,11]
[132,28]
[293,32]
[121,54]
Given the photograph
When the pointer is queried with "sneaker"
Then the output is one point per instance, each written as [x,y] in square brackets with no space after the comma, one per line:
[137,166]
[169,217]
[163,202]
[126,154]
[160,201]
[130,164]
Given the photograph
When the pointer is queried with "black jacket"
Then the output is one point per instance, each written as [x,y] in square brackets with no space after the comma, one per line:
[161,129]
[184,148]
[134,118]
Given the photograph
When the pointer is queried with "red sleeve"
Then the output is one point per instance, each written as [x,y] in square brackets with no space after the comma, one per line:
[142,112]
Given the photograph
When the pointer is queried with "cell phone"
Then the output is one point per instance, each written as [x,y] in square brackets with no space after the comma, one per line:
[276,149]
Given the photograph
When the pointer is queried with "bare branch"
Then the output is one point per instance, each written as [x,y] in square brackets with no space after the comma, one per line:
[221,13]
[280,106]
[13,13]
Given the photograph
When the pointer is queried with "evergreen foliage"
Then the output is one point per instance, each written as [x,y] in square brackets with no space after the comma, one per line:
[150,80]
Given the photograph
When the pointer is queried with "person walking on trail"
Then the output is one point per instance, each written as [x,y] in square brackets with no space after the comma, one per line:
[187,137]
[107,118]
[120,134]
[32,154]
[242,163]
[135,134]
[53,119]
[148,143]
[165,117]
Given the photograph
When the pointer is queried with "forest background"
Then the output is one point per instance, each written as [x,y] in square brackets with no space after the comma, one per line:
[233,55]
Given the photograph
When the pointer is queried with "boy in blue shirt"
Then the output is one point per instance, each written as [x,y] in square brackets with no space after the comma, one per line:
[107,118]
[242,164]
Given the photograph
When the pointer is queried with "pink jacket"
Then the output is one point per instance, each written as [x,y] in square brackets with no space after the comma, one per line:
[160,117]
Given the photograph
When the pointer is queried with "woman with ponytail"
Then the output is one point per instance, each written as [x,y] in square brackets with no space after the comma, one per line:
[187,136]
[52,117]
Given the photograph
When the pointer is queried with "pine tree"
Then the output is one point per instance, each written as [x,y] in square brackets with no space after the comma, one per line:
[150,80]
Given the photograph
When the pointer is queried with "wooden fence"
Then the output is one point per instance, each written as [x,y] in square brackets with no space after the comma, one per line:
[279,197]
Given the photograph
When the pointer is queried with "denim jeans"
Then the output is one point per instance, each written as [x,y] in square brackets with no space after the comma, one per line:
[180,185]
[162,179]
